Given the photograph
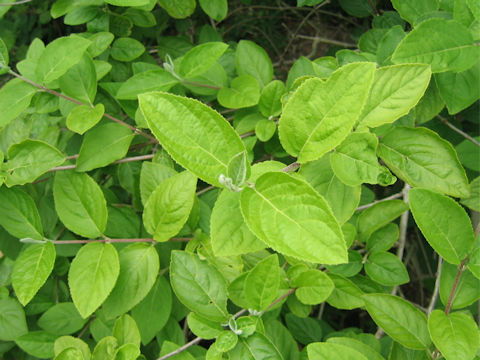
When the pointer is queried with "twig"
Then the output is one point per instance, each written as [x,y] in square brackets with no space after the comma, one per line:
[461,267]
[120,161]
[436,289]
[15,3]
[391,197]
[453,127]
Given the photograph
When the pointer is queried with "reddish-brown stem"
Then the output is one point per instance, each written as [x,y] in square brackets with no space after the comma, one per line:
[461,267]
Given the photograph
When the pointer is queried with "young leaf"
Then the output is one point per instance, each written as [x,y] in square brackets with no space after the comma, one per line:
[386,269]
[80,81]
[69,354]
[202,327]
[450,46]
[450,233]
[105,349]
[126,331]
[262,283]
[12,319]
[320,115]
[226,340]
[19,214]
[37,343]
[238,169]
[150,80]
[169,206]
[84,117]
[66,342]
[395,90]
[383,238]
[191,276]
[345,295]
[423,159]
[59,56]
[127,351]
[255,347]
[32,269]
[92,276]
[61,319]
[328,350]
[28,160]
[178,10]
[216,9]
[270,103]
[292,218]
[243,92]
[15,96]
[455,334]
[313,286]
[102,145]
[126,49]
[100,42]
[200,58]
[379,215]
[229,233]
[151,175]
[401,320]
[80,203]
[265,129]
[139,266]
[196,136]
[251,59]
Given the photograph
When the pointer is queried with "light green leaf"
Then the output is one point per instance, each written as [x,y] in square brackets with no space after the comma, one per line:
[216,9]
[202,327]
[313,286]
[59,56]
[474,7]
[151,175]
[226,340]
[126,331]
[320,115]
[429,105]
[4,58]
[357,345]
[127,2]
[411,10]
[450,232]
[103,145]
[229,233]
[270,103]
[37,343]
[190,275]
[343,199]
[84,117]
[178,9]
[421,158]
[331,351]
[386,269]
[355,161]
[92,276]
[80,203]
[265,129]
[238,169]
[31,270]
[105,349]
[150,80]
[255,347]
[473,201]
[126,49]
[455,334]
[401,320]
[15,96]
[251,59]
[102,68]
[200,58]
[80,81]
[127,352]
[169,206]
[81,15]
[379,215]
[19,214]
[61,319]
[65,342]
[28,160]
[262,283]
[292,218]
[12,320]
[450,46]
[69,354]
[139,264]
[244,91]
[467,287]
[383,238]
[346,295]
[395,90]
[196,136]
[100,42]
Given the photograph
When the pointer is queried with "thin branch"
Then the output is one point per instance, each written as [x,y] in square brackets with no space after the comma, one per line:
[15,3]
[327,41]
[372,5]
[124,160]
[292,167]
[391,197]
[436,289]
[461,267]
[453,127]
[208,188]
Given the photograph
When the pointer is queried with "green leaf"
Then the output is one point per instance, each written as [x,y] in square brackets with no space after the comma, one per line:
[169,206]
[238,169]
[331,351]
[386,269]
[69,354]
[139,264]
[32,269]
[200,58]
[411,10]
[283,340]
[270,103]
[80,203]
[126,49]
[150,80]
[19,214]
[127,2]
[429,105]
[127,352]
[105,349]
[379,215]
[255,347]
[59,56]
[313,286]
[355,161]
[61,319]
[243,92]
[80,81]
[305,330]
[229,233]
[265,129]
[81,15]
[66,342]
[473,201]
[92,276]
[178,9]
[357,345]
[345,295]
[126,331]
[216,9]
[292,218]
[202,327]
[28,160]
[12,320]
[226,340]
[455,334]
[328,111]
[251,59]
[84,117]
[467,286]
[103,145]
[262,283]
[15,96]
[190,275]
[401,320]
[421,158]
[149,316]
[4,58]
[450,46]
[37,343]
[383,238]
[450,232]
[196,136]
[100,42]
[151,175]
[395,90]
